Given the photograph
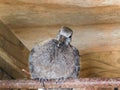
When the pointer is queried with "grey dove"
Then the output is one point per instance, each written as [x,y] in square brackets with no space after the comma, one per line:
[55,58]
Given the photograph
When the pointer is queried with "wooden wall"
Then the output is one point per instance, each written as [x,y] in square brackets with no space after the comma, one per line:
[96,26]
[98,45]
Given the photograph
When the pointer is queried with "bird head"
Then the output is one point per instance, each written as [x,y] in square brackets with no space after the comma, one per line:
[65,35]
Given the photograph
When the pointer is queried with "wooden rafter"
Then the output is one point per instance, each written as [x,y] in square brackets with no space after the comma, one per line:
[13,54]
[27,13]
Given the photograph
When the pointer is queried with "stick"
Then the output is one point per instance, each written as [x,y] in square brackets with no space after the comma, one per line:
[69,83]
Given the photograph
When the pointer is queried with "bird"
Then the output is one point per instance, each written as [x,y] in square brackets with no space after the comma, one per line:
[55,58]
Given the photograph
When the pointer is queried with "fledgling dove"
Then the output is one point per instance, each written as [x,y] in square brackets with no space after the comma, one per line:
[55,59]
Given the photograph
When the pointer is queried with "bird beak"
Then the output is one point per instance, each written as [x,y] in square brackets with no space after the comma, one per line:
[62,39]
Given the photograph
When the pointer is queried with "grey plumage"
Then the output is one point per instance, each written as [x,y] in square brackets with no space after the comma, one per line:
[55,58]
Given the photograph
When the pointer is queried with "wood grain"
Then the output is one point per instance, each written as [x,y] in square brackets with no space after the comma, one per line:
[101,64]
[11,65]
[81,3]
[93,41]
[4,75]
[14,55]
[19,14]
[89,38]
[96,27]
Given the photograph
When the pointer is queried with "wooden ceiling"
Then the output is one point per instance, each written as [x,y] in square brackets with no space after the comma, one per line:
[25,23]
[38,20]
[27,14]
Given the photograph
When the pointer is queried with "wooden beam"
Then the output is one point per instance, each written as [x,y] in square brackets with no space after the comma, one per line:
[19,14]
[100,64]
[11,65]
[93,83]
[81,3]
[89,38]
[13,54]
[4,75]
[99,46]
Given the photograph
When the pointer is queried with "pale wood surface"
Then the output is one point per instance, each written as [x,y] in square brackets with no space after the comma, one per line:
[99,46]
[36,21]
[101,64]
[19,14]
[100,54]
[89,38]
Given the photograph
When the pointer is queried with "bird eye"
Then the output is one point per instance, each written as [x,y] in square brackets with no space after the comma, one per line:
[70,36]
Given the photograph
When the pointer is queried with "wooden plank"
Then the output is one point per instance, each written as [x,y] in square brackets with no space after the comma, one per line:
[100,64]
[99,46]
[15,54]
[12,44]
[89,38]
[81,3]
[4,75]
[19,14]
[36,21]
[11,65]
